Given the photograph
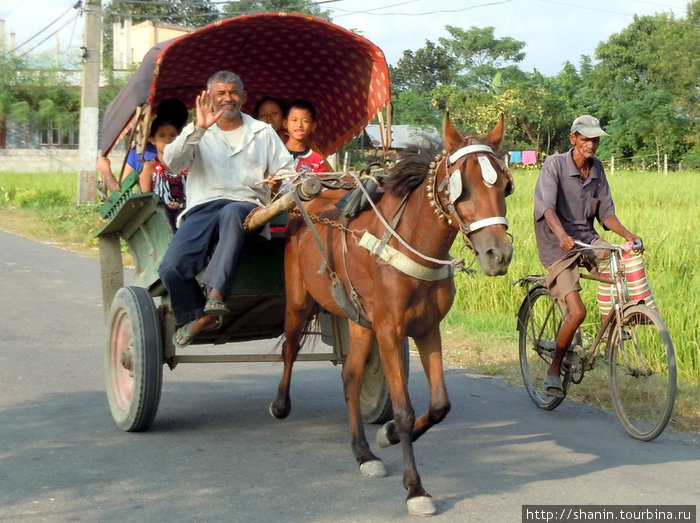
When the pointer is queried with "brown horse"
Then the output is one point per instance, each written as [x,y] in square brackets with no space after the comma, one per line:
[433,199]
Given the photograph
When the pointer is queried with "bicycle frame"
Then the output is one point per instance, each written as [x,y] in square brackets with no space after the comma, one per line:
[621,302]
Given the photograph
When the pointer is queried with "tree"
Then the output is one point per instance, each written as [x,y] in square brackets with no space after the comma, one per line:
[33,92]
[463,74]
[422,70]
[647,125]
[192,13]
[307,7]
[651,69]
[410,108]
[481,57]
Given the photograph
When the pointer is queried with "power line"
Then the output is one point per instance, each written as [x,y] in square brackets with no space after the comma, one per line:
[598,10]
[436,11]
[49,36]
[658,4]
[77,5]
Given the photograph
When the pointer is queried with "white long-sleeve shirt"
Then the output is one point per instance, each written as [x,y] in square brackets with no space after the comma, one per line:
[218,170]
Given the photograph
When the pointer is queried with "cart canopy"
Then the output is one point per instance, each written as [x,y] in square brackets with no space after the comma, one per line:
[286,55]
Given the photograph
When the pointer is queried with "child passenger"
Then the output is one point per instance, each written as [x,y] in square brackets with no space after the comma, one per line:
[300,123]
[271,110]
[156,177]
[170,108]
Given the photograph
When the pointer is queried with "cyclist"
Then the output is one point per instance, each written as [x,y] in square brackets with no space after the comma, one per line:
[570,192]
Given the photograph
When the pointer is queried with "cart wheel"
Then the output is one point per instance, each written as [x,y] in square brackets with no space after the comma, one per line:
[134,359]
[375,400]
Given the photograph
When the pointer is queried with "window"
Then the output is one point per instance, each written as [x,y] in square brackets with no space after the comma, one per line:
[53,137]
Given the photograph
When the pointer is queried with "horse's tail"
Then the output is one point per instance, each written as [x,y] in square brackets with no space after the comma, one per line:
[311,327]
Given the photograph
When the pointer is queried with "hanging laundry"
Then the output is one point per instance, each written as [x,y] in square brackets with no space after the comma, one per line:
[529,157]
[515,156]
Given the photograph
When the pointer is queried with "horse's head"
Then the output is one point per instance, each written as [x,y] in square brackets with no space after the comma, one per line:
[470,190]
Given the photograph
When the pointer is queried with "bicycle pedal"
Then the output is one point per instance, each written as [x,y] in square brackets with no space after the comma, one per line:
[574,357]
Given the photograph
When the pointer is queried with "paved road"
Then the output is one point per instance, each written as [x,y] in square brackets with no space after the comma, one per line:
[215,454]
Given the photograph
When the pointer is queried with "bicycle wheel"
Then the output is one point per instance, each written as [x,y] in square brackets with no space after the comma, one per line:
[642,372]
[539,320]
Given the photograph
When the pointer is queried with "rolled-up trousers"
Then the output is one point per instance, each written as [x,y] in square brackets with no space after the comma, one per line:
[217,223]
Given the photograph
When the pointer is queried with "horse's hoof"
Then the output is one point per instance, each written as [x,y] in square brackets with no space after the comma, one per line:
[421,506]
[383,435]
[373,469]
[277,412]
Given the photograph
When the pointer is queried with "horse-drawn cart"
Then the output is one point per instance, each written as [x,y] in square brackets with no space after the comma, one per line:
[276,54]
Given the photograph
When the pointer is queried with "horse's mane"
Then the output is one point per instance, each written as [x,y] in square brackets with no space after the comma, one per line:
[411,168]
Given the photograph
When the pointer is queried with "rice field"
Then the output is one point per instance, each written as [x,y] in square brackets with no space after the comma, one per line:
[663,209]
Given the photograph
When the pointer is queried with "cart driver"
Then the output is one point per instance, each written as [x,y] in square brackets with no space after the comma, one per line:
[571,191]
[226,152]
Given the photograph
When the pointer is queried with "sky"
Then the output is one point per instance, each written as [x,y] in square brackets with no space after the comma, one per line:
[554,31]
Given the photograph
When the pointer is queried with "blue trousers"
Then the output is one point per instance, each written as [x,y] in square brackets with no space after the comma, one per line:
[219,223]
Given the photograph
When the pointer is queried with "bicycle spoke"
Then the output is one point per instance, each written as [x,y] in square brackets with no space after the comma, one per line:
[540,322]
[642,373]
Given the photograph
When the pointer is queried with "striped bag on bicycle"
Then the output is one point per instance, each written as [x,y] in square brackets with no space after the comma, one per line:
[637,283]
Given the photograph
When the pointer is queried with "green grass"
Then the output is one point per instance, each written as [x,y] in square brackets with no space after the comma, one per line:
[44,206]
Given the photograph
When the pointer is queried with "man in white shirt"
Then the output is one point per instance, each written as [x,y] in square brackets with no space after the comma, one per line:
[225,152]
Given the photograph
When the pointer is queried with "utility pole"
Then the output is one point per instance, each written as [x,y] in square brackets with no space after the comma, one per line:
[89,103]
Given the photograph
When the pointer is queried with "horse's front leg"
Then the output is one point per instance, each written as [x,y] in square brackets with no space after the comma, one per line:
[430,351]
[418,501]
[361,340]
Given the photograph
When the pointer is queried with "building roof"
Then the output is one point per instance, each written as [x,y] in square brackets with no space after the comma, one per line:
[403,136]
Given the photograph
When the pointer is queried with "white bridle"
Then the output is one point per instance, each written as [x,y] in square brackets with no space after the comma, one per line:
[488,174]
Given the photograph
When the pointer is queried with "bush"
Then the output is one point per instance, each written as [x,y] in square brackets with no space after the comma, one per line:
[38,199]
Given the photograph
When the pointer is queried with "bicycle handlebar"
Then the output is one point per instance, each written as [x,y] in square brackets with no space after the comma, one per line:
[636,246]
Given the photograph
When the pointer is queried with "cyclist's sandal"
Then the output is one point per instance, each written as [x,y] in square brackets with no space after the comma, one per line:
[553,386]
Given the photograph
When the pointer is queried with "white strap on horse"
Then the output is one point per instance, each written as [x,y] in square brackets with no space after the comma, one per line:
[469,149]
[488,173]
[486,222]
[403,263]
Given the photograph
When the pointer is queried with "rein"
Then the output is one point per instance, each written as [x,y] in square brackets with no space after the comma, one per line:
[456,263]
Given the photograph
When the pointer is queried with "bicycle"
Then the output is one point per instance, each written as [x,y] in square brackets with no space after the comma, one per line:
[638,350]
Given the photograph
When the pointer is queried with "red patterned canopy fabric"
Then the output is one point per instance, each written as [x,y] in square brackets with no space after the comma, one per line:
[286,55]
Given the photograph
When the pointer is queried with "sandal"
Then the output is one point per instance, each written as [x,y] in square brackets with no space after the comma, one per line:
[182,338]
[216,308]
[182,334]
[553,386]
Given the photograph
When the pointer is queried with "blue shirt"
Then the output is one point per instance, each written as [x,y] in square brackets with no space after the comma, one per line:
[134,161]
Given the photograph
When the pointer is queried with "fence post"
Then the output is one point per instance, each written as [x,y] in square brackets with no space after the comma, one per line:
[612,165]
[666,164]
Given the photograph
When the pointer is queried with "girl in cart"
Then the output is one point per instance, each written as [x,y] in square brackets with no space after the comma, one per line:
[156,177]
